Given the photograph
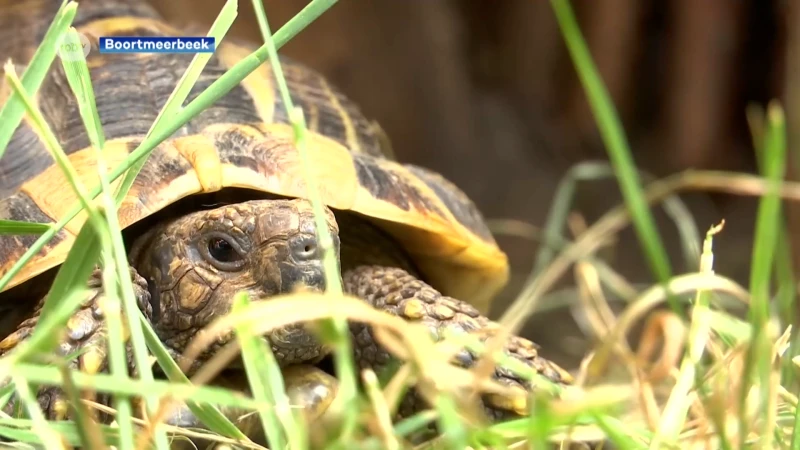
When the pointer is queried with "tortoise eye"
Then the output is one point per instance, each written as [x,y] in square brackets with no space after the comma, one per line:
[223,252]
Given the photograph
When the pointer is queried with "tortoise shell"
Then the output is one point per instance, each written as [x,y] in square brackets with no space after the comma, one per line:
[244,140]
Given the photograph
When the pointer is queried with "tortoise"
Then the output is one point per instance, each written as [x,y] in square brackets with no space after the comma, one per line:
[221,206]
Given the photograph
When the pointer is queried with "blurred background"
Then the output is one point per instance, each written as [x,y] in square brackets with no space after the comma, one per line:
[484,92]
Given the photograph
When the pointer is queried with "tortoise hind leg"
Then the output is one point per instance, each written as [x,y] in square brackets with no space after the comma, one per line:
[396,291]
[85,334]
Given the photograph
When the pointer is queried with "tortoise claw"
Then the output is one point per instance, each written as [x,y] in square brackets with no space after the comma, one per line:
[311,389]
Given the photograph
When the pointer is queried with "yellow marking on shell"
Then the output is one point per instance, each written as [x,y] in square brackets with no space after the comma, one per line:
[39,264]
[259,84]
[52,194]
[133,210]
[454,260]
[138,204]
[349,128]
[383,140]
[442,225]
[120,25]
[413,309]
[50,189]
[202,153]
[331,166]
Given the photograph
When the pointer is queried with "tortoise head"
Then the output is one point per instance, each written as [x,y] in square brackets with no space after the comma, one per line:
[196,263]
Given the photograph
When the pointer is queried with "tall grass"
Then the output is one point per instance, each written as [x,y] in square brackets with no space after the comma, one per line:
[712,397]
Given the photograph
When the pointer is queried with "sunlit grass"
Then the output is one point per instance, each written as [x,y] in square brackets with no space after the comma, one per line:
[706,399]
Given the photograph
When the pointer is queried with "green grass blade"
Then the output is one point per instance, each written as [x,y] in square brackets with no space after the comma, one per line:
[767,220]
[208,414]
[49,437]
[51,142]
[134,387]
[299,22]
[266,383]
[336,330]
[452,427]
[539,424]
[88,429]
[617,432]
[19,430]
[17,227]
[784,272]
[768,215]
[218,30]
[616,144]
[116,280]
[409,425]
[297,119]
[596,170]
[117,355]
[67,292]
[12,111]
[795,444]
[676,410]
[784,268]
[79,80]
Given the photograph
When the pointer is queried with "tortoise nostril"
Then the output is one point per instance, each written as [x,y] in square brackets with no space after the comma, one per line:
[304,248]
[308,251]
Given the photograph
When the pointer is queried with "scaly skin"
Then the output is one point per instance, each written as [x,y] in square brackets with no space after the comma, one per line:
[189,268]
[396,291]
[85,333]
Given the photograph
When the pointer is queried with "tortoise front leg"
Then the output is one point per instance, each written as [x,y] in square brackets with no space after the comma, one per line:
[396,291]
[85,334]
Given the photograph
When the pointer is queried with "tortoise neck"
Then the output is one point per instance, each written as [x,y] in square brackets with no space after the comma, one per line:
[364,244]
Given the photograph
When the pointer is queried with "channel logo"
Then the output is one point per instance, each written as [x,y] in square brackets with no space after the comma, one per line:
[73,46]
